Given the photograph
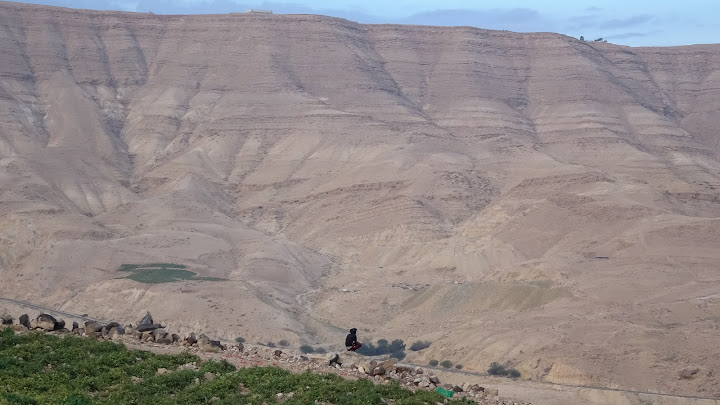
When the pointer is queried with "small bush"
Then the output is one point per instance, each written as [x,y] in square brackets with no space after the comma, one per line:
[400,354]
[307,349]
[270,344]
[446,363]
[284,343]
[240,339]
[419,345]
[512,373]
[497,369]
[434,363]
[459,366]
[320,350]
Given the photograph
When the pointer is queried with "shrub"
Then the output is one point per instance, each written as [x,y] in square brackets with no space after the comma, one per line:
[497,369]
[307,349]
[419,345]
[434,363]
[320,350]
[400,354]
[240,339]
[512,373]
[459,366]
[446,363]
[284,343]
[270,344]
[383,347]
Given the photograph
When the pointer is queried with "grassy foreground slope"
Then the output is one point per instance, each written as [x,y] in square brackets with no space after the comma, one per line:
[37,368]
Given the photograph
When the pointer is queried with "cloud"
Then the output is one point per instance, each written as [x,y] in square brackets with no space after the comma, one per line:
[518,19]
[627,22]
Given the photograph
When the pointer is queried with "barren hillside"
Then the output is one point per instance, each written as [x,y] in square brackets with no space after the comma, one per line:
[523,198]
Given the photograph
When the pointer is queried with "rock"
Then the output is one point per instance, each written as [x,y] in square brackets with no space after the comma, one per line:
[478,388]
[208,376]
[7,320]
[18,328]
[457,388]
[146,320]
[75,325]
[688,373]
[79,331]
[46,322]
[116,332]
[147,337]
[175,338]
[214,399]
[362,370]
[162,370]
[92,326]
[189,366]
[379,370]
[434,379]
[60,324]
[240,347]
[136,380]
[466,387]
[148,327]
[388,364]
[333,358]
[25,320]
[492,392]
[418,370]
[192,339]
[277,353]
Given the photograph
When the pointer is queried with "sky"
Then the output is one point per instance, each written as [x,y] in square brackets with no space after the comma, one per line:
[627,22]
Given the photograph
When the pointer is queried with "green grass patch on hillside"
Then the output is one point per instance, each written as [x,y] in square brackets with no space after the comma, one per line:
[155,273]
[37,368]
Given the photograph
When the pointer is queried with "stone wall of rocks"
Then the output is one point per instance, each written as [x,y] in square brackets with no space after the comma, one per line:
[351,365]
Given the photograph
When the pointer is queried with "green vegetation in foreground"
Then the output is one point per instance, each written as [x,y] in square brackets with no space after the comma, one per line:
[37,368]
[156,273]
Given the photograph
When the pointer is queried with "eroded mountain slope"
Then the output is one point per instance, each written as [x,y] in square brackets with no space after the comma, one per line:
[527,198]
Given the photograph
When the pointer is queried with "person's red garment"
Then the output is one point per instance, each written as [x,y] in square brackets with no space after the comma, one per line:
[355,346]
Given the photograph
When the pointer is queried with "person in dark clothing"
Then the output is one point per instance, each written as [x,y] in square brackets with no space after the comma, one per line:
[351,342]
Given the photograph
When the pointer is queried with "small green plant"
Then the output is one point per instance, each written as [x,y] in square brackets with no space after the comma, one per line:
[307,349]
[434,363]
[270,344]
[400,354]
[240,339]
[497,369]
[459,366]
[284,343]
[419,345]
[446,363]
[320,350]
[512,373]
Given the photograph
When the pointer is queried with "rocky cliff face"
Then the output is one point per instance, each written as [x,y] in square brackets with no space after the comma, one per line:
[521,198]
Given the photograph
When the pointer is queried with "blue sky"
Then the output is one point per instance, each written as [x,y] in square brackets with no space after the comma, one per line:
[629,22]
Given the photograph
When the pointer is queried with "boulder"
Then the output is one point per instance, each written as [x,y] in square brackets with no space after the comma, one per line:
[60,324]
[418,370]
[146,320]
[147,337]
[93,326]
[115,332]
[191,339]
[175,338]
[79,331]
[457,388]
[148,327]
[6,320]
[434,379]
[240,347]
[25,320]
[45,322]
[161,336]
[379,370]
[75,325]
[333,358]
[18,328]
[277,353]
[388,364]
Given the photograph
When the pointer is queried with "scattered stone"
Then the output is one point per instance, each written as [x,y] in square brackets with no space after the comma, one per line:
[75,325]
[189,366]
[93,326]
[162,370]
[148,327]
[492,392]
[137,380]
[45,322]
[25,320]
[208,376]
[7,320]
[146,320]
[60,324]
[277,353]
